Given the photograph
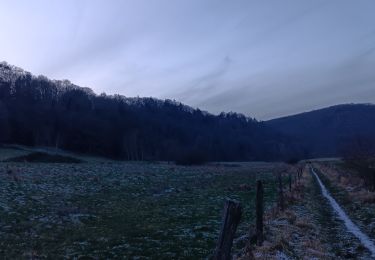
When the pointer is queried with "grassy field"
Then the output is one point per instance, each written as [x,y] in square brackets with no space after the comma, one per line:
[108,209]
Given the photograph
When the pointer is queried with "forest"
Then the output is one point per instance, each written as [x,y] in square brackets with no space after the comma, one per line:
[37,111]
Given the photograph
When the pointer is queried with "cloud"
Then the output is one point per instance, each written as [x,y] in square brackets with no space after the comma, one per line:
[305,89]
[261,58]
[205,83]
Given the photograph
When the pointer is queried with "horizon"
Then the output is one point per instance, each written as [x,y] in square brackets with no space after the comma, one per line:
[217,56]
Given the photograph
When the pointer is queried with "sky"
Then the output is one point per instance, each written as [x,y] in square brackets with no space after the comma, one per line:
[265,59]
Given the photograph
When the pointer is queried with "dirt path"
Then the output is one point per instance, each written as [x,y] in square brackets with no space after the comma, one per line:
[343,238]
[313,226]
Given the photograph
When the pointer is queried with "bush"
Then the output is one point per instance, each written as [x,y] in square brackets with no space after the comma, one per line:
[292,161]
[359,154]
[40,157]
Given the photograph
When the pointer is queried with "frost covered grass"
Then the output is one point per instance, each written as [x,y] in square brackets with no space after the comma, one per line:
[109,209]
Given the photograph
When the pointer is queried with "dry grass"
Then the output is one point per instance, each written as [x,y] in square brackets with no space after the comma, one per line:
[366,197]
[348,181]
[289,233]
[304,224]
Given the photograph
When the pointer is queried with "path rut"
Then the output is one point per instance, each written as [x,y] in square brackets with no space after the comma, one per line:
[347,239]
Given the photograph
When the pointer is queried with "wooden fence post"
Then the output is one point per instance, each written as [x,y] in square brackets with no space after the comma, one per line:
[231,218]
[300,172]
[259,212]
[290,182]
[281,195]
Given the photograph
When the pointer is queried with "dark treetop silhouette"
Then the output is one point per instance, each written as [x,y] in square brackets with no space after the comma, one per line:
[36,111]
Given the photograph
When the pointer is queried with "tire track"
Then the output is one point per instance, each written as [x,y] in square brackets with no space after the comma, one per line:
[350,226]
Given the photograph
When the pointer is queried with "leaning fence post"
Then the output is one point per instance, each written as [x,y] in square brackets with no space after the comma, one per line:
[231,217]
[281,195]
[259,212]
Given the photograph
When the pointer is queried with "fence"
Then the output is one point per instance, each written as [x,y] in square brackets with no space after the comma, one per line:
[232,214]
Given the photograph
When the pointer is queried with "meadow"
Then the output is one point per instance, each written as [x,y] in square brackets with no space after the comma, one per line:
[109,209]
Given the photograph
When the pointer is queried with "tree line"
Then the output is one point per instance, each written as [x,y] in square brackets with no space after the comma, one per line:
[37,111]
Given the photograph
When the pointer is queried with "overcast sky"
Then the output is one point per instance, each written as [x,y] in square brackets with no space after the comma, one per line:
[261,58]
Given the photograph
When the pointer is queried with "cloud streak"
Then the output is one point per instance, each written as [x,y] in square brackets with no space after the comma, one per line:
[261,58]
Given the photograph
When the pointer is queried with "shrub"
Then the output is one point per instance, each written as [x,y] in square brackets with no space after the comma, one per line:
[292,161]
[40,157]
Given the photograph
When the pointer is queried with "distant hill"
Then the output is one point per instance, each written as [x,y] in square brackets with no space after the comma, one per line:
[325,131]
[37,111]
